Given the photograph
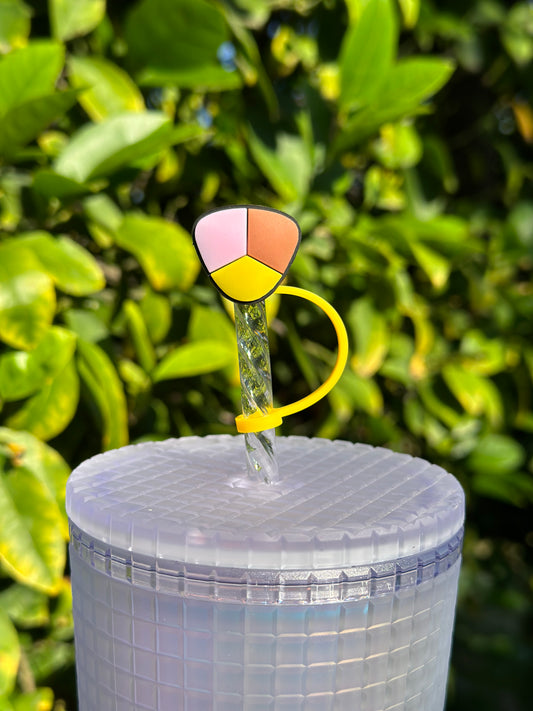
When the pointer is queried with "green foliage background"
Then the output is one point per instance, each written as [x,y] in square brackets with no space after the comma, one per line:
[399,135]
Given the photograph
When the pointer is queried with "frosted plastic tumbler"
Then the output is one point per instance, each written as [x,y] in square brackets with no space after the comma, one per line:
[197,589]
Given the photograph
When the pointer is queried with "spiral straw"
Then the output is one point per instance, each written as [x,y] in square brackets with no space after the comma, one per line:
[256,387]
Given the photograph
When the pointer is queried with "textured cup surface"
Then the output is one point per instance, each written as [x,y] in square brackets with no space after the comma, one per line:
[195,588]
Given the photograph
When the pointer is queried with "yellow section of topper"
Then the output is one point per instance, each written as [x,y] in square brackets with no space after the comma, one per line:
[245,279]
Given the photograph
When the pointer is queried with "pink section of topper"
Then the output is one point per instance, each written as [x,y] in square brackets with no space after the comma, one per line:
[221,237]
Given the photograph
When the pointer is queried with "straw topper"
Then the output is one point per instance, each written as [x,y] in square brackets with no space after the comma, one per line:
[247,251]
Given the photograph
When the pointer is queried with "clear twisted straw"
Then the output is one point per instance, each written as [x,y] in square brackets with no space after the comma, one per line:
[256,388]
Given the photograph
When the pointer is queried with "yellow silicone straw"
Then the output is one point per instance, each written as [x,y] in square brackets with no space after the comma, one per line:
[259,422]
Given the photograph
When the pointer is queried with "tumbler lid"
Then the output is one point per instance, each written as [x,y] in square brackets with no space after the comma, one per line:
[337,504]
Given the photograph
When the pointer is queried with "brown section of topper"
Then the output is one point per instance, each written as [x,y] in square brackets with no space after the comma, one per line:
[272,238]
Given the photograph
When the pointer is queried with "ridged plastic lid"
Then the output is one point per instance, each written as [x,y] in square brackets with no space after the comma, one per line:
[337,505]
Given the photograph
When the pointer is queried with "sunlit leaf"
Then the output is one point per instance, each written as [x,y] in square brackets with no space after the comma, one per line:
[194,359]
[29,73]
[39,700]
[410,10]
[370,335]
[207,324]
[24,122]
[14,24]
[434,264]
[73,269]
[43,461]
[476,394]
[413,80]
[27,297]
[96,150]
[181,48]
[110,89]
[9,653]
[367,53]
[163,249]
[47,413]
[157,315]
[107,395]
[482,355]
[409,82]
[86,324]
[287,166]
[102,210]
[71,18]
[139,335]
[22,373]
[50,184]
[32,546]
[399,146]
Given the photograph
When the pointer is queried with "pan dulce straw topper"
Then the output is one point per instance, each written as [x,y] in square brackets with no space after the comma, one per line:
[247,250]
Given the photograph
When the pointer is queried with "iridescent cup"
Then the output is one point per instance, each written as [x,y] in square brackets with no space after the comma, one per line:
[196,588]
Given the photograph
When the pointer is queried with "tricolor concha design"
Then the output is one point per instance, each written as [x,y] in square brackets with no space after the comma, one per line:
[246,249]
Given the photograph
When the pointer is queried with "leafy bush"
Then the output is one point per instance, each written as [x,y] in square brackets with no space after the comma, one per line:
[398,135]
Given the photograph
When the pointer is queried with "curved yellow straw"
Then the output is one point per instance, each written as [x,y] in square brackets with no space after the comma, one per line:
[259,422]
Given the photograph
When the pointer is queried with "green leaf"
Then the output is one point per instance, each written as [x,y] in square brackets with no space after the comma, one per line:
[371,337]
[50,656]
[206,324]
[104,386]
[434,264]
[96,150]
[412,81]
[14,24]
[366,54]
[176,42]
[29,73]
[50,184]
[194,359]
[354,392]
[38,700]
[73,269]
[72,18]
[477,395]
[482,355]
[408,83]
[25,606]
[24,122]
[27,297]
[9,654]
[287,167]
[86,325]
[139,335]
[399,146]
[111,91]
[496,454]
[157,315]
[43,461]
[410,11]
[47,414]
[163,249]
[22,373]
[102,210]
[517,31]
[32,547]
